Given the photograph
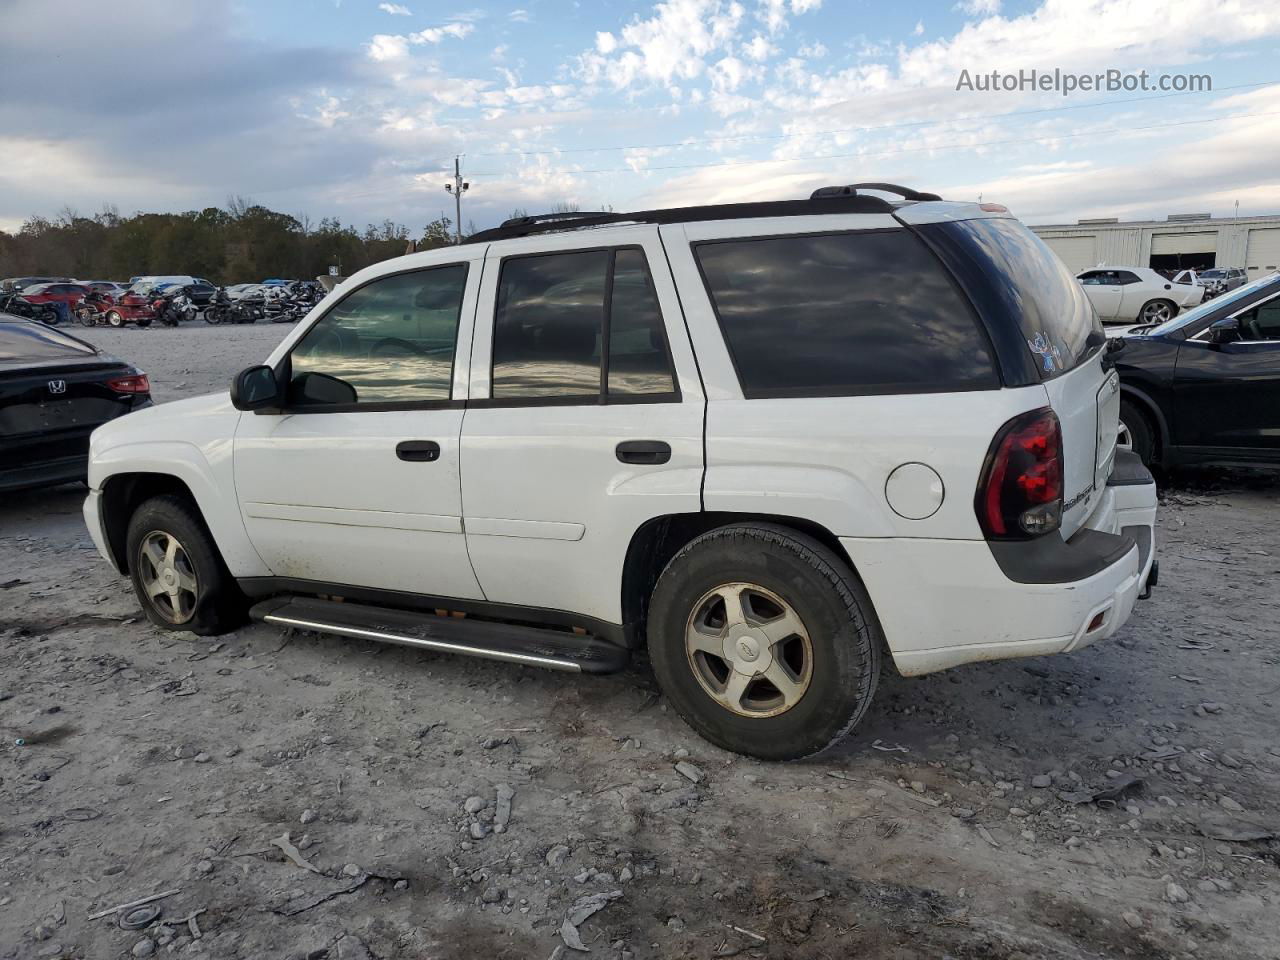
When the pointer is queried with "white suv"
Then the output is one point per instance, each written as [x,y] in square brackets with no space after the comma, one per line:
[772,442]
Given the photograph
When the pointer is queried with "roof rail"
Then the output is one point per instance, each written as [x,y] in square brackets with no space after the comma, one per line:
[537,218]
[816,205]
[851,190]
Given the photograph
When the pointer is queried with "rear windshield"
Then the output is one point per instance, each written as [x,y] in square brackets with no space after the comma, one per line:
[1028,281]
[22,340]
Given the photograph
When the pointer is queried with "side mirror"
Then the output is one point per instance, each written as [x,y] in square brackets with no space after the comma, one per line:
[1226,330]
[321,389]
[255,388]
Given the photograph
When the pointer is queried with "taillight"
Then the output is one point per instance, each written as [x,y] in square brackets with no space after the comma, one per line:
[1020,493]
[134,383]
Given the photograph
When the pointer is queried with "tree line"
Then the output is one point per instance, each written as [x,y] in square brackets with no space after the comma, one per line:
[242,242]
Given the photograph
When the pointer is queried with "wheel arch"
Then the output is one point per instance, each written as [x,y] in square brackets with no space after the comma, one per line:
[1148,405]
[122,494]
[659,539]
[128,474]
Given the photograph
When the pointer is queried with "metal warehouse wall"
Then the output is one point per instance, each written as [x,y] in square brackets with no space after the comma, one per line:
[1129,244]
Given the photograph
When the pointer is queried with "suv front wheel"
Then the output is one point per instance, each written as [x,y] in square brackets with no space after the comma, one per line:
[764,641]
[177,573]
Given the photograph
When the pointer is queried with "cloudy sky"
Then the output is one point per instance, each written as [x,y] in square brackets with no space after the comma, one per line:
[356,108]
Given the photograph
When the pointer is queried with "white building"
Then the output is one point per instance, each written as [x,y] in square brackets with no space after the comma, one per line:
[1195,241]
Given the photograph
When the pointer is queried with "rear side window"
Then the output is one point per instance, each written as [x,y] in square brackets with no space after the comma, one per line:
[843,314]
[584,324]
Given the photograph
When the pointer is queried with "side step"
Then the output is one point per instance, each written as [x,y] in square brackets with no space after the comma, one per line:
[515,643]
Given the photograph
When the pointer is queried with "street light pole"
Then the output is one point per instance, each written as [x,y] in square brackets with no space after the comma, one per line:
[458,187]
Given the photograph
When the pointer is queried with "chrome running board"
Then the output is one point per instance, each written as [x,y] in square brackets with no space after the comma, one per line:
[512,643]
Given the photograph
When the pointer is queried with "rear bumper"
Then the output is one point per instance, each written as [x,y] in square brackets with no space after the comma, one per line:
[943,603]
[47,473]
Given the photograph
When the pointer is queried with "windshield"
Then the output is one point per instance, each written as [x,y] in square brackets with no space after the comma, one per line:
[1213,274]
[1210,306]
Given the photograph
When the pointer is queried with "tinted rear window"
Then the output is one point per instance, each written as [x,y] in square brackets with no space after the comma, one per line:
[34,341]
[1030,283]
[843,314]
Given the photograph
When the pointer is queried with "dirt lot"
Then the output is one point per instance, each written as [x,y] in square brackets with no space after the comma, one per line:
[946,826]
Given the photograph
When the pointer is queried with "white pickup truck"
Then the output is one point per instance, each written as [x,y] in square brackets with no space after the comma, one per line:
[772,442]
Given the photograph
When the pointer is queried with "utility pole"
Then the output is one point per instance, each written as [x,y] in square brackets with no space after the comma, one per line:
[458,187]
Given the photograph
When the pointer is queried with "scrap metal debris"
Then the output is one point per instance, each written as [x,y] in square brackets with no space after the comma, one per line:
[889,748]
[579,912]
[1234,829]
[293,853]
[133,903]
[1105,795]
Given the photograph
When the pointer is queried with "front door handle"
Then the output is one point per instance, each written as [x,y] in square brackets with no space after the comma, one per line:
[418,451]
[644,451]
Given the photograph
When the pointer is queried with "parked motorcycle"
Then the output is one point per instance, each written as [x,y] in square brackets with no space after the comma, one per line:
[93,308]
[20,307]
[285,309]
[222,309]
[173,307]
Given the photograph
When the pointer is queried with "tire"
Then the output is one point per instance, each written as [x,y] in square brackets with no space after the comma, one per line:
[88,317]
[143,321]
[114,319]
[1136,432]
[213,315]
[779,568]
[209,601]
[1157,311]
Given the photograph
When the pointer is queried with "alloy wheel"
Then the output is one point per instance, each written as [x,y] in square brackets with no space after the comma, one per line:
[1156,312]
[167,576]
[749,650]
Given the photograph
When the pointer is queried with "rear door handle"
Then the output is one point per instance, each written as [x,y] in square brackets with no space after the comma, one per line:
[418,451]
[644,451]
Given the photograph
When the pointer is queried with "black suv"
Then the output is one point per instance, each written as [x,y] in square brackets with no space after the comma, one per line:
[1205,386]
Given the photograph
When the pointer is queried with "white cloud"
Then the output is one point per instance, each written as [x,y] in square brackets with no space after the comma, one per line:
[759,49]
[919,30]
[815,50]
[396,9]
[436,34]
[1231,160]
[671,45]
[979,8]
[384,46]
[606,42]
[520,16]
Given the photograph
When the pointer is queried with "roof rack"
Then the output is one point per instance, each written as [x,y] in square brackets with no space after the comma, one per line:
[851,190]
[827,200]
[539,218]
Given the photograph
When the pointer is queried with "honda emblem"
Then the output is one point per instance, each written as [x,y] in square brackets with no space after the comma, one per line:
[57,386]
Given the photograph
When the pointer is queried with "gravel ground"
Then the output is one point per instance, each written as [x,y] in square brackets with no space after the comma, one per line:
[444,807]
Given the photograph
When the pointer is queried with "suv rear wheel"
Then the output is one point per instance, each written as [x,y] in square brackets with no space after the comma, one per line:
[764,641]
[177,572]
